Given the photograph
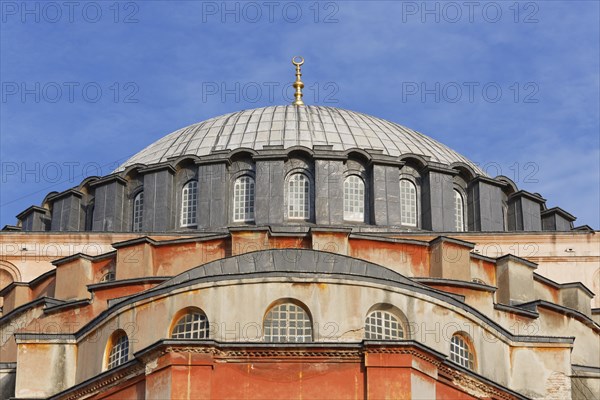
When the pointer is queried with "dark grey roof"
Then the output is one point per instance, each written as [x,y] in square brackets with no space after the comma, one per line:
[305,263]
[290,126]
[301,261]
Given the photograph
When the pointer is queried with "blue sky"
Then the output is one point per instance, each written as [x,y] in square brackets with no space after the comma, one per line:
[515,89]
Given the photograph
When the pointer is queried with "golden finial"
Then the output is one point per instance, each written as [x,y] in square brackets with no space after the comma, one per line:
[298,61]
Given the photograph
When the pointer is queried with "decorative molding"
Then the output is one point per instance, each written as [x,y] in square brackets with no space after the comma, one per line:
[110,379]
[472,385]
[353,355]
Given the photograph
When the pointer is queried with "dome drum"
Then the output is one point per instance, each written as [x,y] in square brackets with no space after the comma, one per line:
[107,203]
[290,165]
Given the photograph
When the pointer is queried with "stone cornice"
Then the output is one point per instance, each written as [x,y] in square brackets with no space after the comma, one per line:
[103,381]
[31,209]
[364,236]
[76,256]
[513,258]
[456,283]
[158,167]
[127,282]
[515,310]
[533,306]
[489,181]
[556,285]
[11,228]
[108,179]
[68,192]
[45,338]
[527,195]
[474,384]
[157,243]
[440,168]
[559,211]
[446,239]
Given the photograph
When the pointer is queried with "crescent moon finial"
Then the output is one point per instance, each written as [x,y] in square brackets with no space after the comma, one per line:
[297,63]
[298,85]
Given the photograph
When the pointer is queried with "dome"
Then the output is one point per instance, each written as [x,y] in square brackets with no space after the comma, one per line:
[296,126]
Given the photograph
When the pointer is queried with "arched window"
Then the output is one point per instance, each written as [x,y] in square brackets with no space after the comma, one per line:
[119,349]
[191,325]
[138,212]
[287,322]
[459,213]
[354,199]
[460,351]
[383,325]
[243,199]
[189,203]
[108,277]
[89,217]
[505,215]
[408,203]
[298,197]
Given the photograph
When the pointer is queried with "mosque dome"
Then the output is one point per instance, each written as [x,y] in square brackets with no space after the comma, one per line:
[288,249]
[290,126]
[297,166]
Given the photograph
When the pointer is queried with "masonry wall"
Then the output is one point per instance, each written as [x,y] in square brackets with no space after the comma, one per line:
[105,204]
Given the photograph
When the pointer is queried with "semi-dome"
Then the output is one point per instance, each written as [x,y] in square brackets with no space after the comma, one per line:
[290,126]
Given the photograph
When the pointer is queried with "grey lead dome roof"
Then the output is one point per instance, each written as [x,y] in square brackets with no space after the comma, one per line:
[295,126]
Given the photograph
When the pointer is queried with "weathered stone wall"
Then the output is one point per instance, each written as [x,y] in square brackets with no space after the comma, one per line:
[105,204]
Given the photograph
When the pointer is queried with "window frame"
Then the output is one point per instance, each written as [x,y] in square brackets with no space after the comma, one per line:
[463,343]
[109,276]
[307,334]
[458,195]
[203,329]
[188,207]
[89,215]
[118,342]
[355,216]
[308,195]
[415,200]
[385,313]
[250,199]
[137,212]
[505,215]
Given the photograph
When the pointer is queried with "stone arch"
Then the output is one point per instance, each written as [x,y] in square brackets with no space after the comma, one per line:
[396,312]
[464,170]
[9,273]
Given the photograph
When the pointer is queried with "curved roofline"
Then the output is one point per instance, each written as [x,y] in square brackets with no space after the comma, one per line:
[421,161]
[355,269]
[299,149]
[240,151]
[464,168]
[511,184]
[360,152]
[290,126]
